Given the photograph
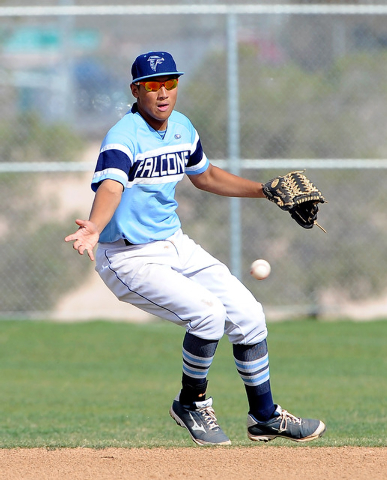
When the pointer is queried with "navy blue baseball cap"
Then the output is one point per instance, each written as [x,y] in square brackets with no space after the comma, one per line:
[154,64]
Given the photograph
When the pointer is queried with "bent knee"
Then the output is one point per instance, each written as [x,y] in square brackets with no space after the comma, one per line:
[210,324]
[249,328]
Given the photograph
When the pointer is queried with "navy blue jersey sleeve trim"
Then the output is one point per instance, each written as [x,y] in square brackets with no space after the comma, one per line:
[196,156]
[109,163]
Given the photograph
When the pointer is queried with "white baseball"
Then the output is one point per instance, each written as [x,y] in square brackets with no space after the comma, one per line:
[260,269]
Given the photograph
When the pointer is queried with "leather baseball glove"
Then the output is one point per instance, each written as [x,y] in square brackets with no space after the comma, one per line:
[296,194]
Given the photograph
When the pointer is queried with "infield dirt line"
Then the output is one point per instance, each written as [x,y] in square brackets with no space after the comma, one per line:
[221,463]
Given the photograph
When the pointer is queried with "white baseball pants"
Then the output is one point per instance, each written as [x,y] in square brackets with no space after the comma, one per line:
[179,281]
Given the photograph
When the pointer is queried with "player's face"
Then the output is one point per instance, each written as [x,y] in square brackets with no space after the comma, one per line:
[155,107]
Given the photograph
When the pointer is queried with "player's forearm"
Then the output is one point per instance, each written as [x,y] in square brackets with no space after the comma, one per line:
[106,201]
[218,181]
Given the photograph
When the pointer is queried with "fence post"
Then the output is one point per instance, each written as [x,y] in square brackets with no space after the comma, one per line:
[233,140]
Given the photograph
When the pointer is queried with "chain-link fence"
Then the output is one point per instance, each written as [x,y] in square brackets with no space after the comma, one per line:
[308,90]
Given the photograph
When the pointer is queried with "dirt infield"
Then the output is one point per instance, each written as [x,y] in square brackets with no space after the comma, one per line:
[273,463]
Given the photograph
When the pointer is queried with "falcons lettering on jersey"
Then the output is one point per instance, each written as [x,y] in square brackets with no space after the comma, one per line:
[162,165]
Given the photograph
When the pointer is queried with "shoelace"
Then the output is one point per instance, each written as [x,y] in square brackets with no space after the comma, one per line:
[285,416]
[209,417]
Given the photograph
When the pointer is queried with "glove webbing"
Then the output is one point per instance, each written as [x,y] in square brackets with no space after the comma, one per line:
[300,186]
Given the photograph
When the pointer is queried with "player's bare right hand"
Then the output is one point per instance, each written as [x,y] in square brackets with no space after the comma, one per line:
[85,238]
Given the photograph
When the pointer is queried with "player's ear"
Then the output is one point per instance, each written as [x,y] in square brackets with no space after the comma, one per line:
[134,88]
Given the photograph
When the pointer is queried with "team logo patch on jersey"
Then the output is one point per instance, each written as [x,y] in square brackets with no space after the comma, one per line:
[155,60]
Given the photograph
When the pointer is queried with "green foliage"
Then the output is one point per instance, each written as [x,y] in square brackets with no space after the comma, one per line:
[289,112]
[37,270]
[27,138]
[102,384]
[35,265]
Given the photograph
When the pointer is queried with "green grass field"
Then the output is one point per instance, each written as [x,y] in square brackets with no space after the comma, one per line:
[102,384]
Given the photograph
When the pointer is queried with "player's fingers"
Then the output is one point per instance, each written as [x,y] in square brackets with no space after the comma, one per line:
[78,247]
[74,236]
[80,222]
[81,248]
[71,237]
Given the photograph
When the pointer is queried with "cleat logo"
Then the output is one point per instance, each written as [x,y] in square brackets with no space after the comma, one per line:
[196,426]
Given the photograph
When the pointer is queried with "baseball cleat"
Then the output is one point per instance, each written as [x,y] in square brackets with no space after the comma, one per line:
[284,425]
[200,421]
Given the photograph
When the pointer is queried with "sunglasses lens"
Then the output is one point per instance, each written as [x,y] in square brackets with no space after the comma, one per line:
[152,86]
[155,86]
[171,84]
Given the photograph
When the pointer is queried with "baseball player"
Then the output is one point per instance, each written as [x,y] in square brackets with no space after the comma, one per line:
[145,259]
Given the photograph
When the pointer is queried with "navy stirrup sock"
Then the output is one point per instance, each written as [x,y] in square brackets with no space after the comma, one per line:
[252,362]
[197,359]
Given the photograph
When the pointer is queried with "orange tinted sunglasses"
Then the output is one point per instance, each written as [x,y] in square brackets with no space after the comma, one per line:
[153,86]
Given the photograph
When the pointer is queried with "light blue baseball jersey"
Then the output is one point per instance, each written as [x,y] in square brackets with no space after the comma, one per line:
[148,166]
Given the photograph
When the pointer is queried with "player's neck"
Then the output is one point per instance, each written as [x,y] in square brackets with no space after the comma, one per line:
[156,124]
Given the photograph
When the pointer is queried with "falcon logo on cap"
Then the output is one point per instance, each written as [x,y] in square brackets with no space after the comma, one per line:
[154,61]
